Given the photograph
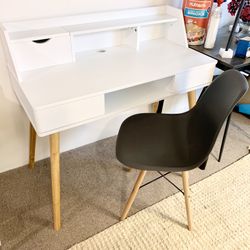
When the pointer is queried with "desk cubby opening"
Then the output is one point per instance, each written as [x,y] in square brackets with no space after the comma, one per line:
[103,40]
[131,37]
[128,98]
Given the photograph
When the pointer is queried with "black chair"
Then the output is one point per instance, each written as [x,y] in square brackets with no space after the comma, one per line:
[178,142]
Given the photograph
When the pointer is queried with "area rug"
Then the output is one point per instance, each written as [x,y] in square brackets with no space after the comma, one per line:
[221,214]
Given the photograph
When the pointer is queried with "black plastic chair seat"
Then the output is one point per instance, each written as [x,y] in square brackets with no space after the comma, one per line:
[158,142]
[180,142]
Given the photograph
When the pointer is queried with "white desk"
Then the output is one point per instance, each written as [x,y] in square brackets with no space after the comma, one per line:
[68,71]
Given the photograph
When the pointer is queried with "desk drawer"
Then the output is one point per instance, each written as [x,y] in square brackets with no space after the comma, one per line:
[192,79]
[33,54]
[67,114]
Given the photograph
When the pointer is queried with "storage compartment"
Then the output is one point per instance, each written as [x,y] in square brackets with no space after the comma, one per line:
[53,117]
[105,39]
[96,41]
[33,54]
[151,32]
[192,79]
[128,98]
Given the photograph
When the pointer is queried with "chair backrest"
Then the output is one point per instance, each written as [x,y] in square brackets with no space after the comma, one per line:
[246,98]
[212,109]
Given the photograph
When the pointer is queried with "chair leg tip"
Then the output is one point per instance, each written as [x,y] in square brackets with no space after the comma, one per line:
[57,225]
[127,169]
[122,218]
[57,228]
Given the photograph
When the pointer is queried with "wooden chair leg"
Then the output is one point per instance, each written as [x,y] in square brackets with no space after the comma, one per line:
[133,194]
[191,99]
[32,147]
[187,196]
[55,179]
[191,103]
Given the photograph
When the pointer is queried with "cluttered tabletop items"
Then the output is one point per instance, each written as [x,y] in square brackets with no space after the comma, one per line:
[230,46]
[224,63]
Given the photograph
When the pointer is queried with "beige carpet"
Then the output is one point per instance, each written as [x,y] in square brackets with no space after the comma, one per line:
[221,212]
[94,188]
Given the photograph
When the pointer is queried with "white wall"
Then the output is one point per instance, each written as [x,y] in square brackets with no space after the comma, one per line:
[13,121]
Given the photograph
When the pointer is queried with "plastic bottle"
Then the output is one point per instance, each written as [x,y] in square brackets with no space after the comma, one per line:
[213,27]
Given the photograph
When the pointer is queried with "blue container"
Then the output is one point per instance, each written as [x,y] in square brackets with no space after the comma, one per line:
[242,47]
[244,108]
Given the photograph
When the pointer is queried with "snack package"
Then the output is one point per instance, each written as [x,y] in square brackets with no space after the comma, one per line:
[196,16]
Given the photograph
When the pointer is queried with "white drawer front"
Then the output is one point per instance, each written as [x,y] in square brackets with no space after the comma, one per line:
[189,80]
[66,114]
[42,53]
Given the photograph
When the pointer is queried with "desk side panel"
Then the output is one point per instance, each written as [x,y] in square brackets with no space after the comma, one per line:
[10,61]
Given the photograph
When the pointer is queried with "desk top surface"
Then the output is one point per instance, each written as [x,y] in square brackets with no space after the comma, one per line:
[224,63]
[96,73]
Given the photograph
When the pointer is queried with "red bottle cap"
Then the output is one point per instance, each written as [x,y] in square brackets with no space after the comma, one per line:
[220,2]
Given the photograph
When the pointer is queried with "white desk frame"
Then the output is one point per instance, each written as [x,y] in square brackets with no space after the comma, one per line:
[68,71]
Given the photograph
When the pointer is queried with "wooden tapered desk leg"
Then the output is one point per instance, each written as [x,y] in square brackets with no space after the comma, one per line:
[155,107]
[191,99]
[55,179]
[32,147]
